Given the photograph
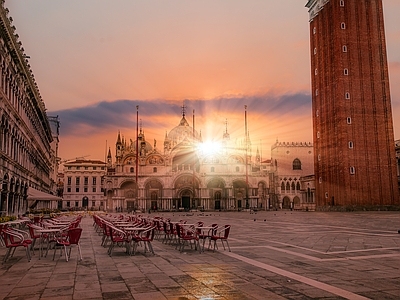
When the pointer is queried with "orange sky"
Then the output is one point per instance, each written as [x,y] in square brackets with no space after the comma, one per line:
[217,56]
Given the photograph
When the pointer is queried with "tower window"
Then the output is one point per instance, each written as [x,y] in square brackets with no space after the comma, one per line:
[316,71]
[350,145]
[316,92]
[348,120]
[296,164]
[317,113]
[320,180]
[344,48]
[341,2]
[346,71]
[343,25]
[315,51]
[319,157]
[352,170]
[347,95]
[318,135]
[314,30]
[131,170]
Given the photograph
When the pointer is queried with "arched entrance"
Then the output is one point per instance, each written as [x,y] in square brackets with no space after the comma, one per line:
[217,199]
[217,193]
[286,203]
[186,186]
[240,193]
[296,202]
[153,190]
[129,193]
[185,199]
[85,202]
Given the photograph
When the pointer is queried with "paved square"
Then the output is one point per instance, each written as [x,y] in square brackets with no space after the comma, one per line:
[275,255]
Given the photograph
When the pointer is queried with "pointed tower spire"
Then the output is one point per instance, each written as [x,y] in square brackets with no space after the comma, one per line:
[109,158]
[226,134]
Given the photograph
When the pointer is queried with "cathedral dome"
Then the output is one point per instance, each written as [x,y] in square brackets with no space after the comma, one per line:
[181,132]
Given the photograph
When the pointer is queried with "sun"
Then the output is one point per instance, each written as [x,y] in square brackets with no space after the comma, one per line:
[208,148]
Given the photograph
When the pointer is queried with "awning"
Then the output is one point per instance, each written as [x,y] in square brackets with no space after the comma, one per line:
[34,196]
[38,195]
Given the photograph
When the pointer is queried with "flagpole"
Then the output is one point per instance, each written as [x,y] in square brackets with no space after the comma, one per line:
[246,142]
[137,155]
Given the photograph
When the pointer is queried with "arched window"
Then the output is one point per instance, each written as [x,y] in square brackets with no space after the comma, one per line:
[212,169]
[237,169]
[283,186]
[155,170]
[297,164]
[131,170]
[298,186]
[287,186]
[293,187]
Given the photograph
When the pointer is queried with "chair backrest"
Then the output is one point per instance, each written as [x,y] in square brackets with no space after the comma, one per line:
[215,228]
[32,232]
[74,234]
[11,237]
[115,232]
[149,233]
[227,229]
[2,227]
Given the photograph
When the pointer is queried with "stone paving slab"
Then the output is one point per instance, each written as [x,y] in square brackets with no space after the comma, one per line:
[275,255]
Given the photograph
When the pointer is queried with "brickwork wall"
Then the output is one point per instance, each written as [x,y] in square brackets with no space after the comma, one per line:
[355,161]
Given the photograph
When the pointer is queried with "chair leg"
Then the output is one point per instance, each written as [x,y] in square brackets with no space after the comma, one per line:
[226,241]
[110,249]
[7,255]
[151,248]
[79,250]
[65,250]
[28,255]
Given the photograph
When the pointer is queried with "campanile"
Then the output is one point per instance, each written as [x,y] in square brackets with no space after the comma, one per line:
[354,154]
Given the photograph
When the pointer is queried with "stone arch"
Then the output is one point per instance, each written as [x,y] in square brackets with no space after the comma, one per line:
[129,189]
[296,202]
[153,193]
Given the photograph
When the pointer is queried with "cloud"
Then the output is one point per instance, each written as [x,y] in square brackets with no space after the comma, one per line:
[120,114]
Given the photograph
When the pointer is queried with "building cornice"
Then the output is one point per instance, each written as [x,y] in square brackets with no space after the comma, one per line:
[314,7]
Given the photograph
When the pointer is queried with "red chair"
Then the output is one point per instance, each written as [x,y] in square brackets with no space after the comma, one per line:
[106,234]
[146,236]
[72,238]
[12,241]
[2,227]
[118,237]
[33,234]
[187,236]
[221,235]
[167,232]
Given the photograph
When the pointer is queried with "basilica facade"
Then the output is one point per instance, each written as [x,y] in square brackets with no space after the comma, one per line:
[185,173]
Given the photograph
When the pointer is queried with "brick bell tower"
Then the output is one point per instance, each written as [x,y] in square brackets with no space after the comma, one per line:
[355,162]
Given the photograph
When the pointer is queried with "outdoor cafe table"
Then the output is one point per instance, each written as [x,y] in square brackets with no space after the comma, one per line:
[50,234]
[55,226]
[18,223]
